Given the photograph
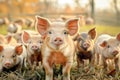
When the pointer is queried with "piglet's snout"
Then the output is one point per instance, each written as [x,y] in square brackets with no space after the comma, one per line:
[34,47]
[7,64]
[58,41]
[115,52]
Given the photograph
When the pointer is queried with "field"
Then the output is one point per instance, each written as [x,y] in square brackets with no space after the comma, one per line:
[102,29]
[76,74]
[112,30]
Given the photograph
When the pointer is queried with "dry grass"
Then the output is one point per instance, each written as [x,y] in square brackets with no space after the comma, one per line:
[83,73]
[25,74]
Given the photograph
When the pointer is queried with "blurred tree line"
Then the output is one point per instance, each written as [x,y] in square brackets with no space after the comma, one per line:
[19,7]
[32,7]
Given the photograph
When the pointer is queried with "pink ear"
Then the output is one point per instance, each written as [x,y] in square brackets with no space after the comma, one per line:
[118,37]
[42,24]
[1,48]
[92,33]
[25,37]
[103,44]
[18,49]
[9,38]
[72,26]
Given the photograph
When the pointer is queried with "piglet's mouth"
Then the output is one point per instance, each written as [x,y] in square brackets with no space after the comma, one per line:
[58,44]
[7,67]
[36,49]
[114,53]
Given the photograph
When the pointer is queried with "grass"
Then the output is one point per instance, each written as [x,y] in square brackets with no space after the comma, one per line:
[102,29]
[3,29]
[76,74]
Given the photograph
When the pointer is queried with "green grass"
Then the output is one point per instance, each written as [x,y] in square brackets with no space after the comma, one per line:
[101,29]
[3,29]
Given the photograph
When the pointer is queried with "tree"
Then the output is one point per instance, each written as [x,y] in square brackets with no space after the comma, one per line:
[115,2]
[92,5]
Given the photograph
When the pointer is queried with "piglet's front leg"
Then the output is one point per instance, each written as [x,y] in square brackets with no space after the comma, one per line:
[48,70]
[104,63]
[1,68]
[116,60]
[66,71]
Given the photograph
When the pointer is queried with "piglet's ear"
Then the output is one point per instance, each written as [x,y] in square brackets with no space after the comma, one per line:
[9,38]
[42,24]
[103,44]
[72,26]
[25,37]
[19,49]
[118,37]
[1,48]
[92,33]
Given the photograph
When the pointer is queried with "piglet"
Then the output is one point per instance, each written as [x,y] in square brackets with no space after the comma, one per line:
[58,47]
[4,21]
[12,57]
[14,28]
[85,46]
[33,43]
[8,39]
[2,39]
[108,48]
[18,35]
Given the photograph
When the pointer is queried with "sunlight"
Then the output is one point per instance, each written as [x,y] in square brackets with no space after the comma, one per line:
[102,4]
[99,4]
[62,3]
[83,3]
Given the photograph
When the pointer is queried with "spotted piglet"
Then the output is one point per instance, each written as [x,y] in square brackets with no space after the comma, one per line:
[12,57]
[85,46]
[34,43]
[108,48]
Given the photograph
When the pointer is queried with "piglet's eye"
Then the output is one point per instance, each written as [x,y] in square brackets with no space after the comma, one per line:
[65,32]
[79,39]
[40,42]
[50,32]
[108,46]
[2,56]
[14,56]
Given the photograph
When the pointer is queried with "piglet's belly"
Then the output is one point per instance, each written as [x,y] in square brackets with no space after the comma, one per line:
[56,58]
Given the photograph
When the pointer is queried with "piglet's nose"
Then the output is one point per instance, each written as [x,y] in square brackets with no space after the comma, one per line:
[34,47]
[7,64]
[115,52]
[58,41]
